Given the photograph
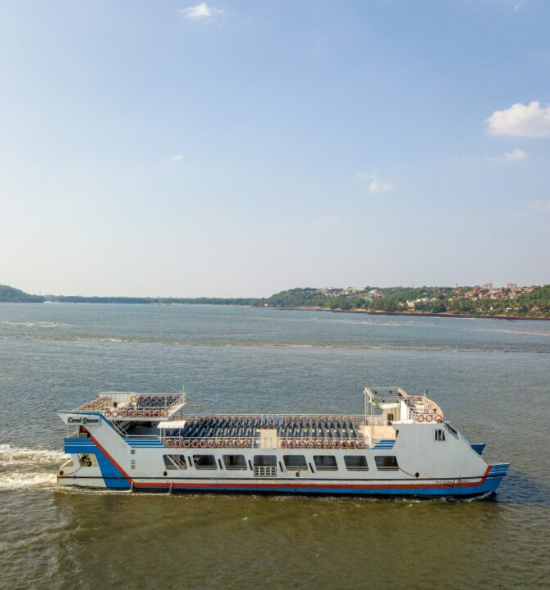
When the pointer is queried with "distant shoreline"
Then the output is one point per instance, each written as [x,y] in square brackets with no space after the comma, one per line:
[324,309]
[442,302]
[415,313]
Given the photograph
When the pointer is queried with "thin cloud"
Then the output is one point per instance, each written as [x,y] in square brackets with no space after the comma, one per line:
[513,156]
[540,206]
[374,184]
[201,12]
[176,158]
[521,120]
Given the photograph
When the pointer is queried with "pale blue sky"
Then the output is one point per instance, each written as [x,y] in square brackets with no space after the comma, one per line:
[239,148]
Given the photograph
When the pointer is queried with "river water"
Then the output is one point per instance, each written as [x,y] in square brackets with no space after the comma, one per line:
[491,377]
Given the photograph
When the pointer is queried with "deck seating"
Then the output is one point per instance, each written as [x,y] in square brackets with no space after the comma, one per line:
[218,428]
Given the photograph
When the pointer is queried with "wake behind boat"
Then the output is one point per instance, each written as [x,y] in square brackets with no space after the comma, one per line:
[401,446]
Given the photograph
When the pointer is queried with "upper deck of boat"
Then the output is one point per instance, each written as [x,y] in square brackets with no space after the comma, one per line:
[163,415]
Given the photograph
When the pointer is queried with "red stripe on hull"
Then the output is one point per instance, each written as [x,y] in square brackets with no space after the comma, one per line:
[113,462]
[195,485]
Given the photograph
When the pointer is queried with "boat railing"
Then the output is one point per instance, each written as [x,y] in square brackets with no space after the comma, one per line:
[198,443]
[422,409]
[129,404]
[278,417]
[375,420]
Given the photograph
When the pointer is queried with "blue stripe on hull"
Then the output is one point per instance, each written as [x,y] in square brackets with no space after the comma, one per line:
[488,486]
[113,478]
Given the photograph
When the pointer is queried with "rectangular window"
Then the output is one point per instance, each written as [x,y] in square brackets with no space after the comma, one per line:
[295,461]
[234,461]
[325,462]
[386,463]
[172,462]
[356,463]
[204,462]
[439,435]
[265,461]
[452,430]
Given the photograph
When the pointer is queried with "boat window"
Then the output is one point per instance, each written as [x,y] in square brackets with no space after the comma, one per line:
[174,462]
[386,463]
[234,461]
[439,435]
[452,430]
[204,462]
[356,463]
[265,460]
[325,462]
[295,461]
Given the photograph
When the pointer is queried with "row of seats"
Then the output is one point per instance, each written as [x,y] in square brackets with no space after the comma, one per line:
[154,401]
[344,428]
[101,403]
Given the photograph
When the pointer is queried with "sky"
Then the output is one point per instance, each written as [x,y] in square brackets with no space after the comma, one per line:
[239,148]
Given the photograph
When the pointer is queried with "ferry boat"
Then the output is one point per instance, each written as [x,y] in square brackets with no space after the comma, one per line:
[401,445]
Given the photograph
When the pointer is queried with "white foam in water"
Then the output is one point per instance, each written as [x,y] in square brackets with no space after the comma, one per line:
[26,468]
[15,481]
[22,456]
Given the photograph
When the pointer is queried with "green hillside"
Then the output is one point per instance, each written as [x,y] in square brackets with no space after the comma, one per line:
[12,295]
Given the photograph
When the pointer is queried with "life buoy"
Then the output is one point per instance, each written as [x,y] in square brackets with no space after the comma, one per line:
[335,444]
[351,444]
[326,444]
[203,444]
[186,443]
[301,444]
[133,398]
[361,444]
[195,443]
[164,414]
[318,444]
[114,414]
[283,444]
[107,413]
[291,444]
[147,413]
[420,418]
[237,444]
[124,413]
[439,419]
[344,444]
[309,444]
[247,443]
[429,418]
[170,442]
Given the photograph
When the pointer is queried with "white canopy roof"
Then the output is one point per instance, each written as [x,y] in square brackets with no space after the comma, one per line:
[172,424]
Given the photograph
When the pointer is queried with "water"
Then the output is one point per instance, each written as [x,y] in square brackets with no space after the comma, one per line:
[491,377]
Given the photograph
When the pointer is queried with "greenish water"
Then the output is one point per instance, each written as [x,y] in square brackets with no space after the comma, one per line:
[491,377]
